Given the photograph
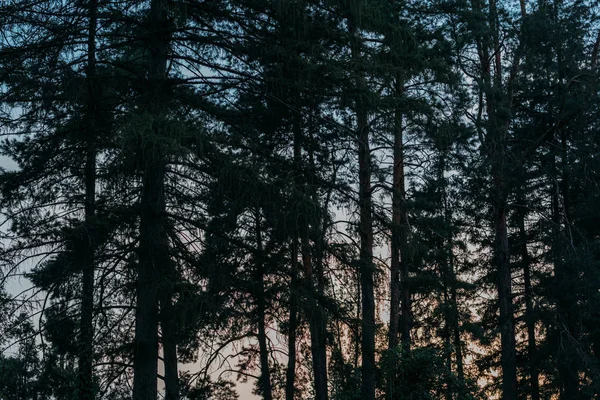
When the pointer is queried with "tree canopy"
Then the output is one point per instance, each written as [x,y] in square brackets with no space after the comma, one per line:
[313,199]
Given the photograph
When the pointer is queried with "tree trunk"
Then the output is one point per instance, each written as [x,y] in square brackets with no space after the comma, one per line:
[365,228]
[453,316]
[317,332]
[496,151]
[146,317]
[456,326]
[500,174]
[402,232]
[316,325]
[319,352]
[504,281]
[398,243]
[366,263]
[366,252]
[317,316]
[265,372]
[446,331]
[293,321]
[315,312]
[566,305]
[456,329]
[498,131]
[153,246]
[169,342]
[293,325]
[529,317]
[86,354]
[357,323]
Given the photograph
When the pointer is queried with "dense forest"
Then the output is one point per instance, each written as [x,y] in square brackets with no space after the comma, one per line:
[299,199]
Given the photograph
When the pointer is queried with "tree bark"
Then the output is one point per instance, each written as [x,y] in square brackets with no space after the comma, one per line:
[365,232]
[265,371]
[150,257]
[86,352]
[446,331]
[496,151]
[498,148]
[453,316]
[169,341]
[306,226]
[293,324]
[318,317]
[153,245]
[293,321]
[566,331]
[400,215]
[456,329]
[504,282]
[529,317]
[366,263]
[357,323]
[319,353]
[317,332]
[399,259]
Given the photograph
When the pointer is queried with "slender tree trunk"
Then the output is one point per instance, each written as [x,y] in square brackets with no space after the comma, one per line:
[498,143]
[566,287]
[316,325]
[261,307]
[366,263]
[318,318]
[319,353]
[446,331]
[406,320]
[358,322]
[456,330]
[293,324]
[146,317]
[169,342]
[507,330]
[317,335]
[531,345]
[529,317]
[397,200]
[265,373]
[452,318]
[398,242]
[500,174]
[496,146]
[86,358]
[402,232]
[566,303]
[168,325]
[293,321]
[153,246]
[526,262]
[366,234]
[567,378]
[455,322]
